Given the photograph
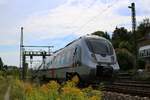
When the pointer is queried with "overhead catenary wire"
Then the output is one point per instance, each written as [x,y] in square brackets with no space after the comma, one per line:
[93,18]
[110,25]
[82,12]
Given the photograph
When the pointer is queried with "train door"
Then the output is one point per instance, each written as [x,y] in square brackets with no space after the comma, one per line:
[77,57]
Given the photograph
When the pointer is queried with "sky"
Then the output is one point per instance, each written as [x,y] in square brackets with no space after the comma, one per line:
[58,22]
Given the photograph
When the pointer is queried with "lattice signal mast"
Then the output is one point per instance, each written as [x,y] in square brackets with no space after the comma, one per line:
[132,7]
[29,53]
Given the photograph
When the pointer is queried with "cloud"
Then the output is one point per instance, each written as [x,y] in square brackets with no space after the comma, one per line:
[63,20]
[10,58]
[10,36]
[143,7]
[79,17]
[2,2]
[73,18]
[7,42]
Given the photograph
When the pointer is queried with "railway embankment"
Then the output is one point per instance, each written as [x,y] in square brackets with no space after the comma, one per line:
[120,96]
[127,87]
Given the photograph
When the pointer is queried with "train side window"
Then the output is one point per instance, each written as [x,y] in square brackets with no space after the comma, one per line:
[68,57]
[58,60]
[142,53]
[149,52]
[62,59]
[54,61]
[65,58]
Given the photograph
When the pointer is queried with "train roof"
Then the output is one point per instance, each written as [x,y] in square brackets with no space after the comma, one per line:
[83,37]
[94,36]
[144,47]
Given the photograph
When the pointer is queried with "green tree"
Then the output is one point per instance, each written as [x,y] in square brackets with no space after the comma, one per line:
[143,29]
[102,34]
[1,64]
[119,35]
[122,41]
[5,67]
[125,45]
[125,58]
[13,70]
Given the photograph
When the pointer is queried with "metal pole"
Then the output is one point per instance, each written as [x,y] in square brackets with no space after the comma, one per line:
[132,7]
[21,53]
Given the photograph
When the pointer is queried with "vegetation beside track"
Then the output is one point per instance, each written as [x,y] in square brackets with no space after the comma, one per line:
[21,90]
[3,85]
[52,91]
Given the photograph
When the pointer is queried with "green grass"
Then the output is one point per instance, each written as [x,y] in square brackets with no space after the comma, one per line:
[3,87]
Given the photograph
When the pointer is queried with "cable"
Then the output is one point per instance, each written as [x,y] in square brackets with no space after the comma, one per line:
[93,18]
[81,13]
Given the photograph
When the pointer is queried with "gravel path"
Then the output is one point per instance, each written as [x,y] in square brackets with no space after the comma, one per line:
[6,97]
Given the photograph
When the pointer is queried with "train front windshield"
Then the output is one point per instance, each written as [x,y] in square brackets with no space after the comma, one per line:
[99,46]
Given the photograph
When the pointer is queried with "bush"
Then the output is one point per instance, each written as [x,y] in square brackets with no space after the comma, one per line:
[17,91]
[2,73]
[125,45]
[141,64]
[52,91]
[126,59]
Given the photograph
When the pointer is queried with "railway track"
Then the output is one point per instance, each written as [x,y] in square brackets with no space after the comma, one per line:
[134,88]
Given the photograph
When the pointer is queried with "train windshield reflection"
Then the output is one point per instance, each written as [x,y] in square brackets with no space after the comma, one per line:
[99,46]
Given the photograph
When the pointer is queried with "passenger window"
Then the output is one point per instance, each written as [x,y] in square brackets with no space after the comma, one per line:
[66,58]
[58,60]
[62,59]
